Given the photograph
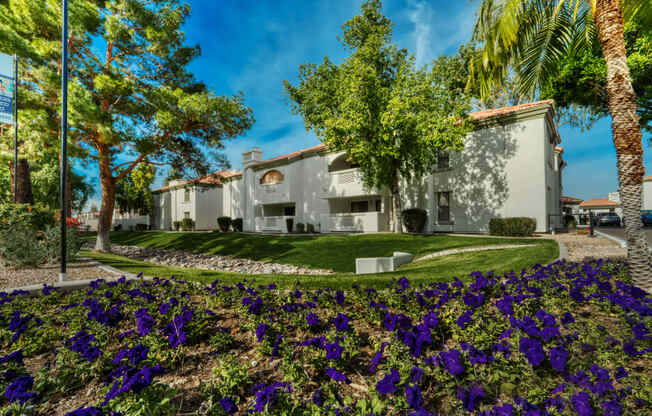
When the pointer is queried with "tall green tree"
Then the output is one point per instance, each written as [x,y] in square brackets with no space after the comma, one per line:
[132,99]
[391,118]
[531,37]
[133,193]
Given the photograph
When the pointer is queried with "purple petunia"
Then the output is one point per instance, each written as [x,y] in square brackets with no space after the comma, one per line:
[312,319]
[334,351]
[464,319]
[342,322]
[267,396]
[318,397]
[260,332]
[16,356]
[18,390]
[144,322]
[532,350]
[611,408]
[471,396]
[416,374]
[228,405]
[388,384]
[337,376]
[81,343]
[582,404]
[413,396]
[86,411]
[133,380]
[452,362]
[558,357]
[339,297]
[377,357]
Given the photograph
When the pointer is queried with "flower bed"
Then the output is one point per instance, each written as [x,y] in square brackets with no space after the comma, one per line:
[560,339]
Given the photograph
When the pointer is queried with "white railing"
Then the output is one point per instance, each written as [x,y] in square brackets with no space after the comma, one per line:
[354,222]
[344,183]
[276,224]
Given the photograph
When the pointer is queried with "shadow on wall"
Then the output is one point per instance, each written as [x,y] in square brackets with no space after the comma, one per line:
[480,187]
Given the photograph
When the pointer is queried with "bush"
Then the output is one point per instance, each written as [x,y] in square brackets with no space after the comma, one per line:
[310,228]
[237,225]
[289,223]
[224,223]
[51,243]
[301,228]
[141,227]
[569,221]
[187,224]
[177,225]
[117,227]
[414,219]
[515,226]
[20,246]
[33,216]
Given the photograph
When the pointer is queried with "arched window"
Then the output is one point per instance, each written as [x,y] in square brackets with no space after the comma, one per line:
[341,163]
[271,177]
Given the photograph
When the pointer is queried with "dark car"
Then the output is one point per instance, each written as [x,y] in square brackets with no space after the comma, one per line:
[607,219]
[646,218]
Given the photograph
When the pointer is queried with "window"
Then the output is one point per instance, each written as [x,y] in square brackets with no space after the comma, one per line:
[443,160]
[359,206]
[378,205]
[289,211]
[186,214]
[443,206]
[186,195]
[271,177]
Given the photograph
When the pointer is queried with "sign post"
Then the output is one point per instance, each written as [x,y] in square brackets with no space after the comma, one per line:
[9,103]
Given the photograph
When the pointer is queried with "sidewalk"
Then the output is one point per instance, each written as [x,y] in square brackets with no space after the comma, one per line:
[581,246]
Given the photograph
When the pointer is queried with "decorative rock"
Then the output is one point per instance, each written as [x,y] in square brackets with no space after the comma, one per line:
[210,262]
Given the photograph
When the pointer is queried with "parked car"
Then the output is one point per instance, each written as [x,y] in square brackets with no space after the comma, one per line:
[646,218]
[607,219]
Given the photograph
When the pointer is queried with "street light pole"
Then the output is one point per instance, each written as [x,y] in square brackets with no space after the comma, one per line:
[64,134]
[15,128]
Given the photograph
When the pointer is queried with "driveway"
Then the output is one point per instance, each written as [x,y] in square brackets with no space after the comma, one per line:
[619,232]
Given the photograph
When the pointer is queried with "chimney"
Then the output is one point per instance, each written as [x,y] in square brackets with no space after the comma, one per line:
[252,156]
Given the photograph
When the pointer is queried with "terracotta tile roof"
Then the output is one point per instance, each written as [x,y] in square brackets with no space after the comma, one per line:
[570,200]
[647,178]
[291,155]
[214,179]
[599,202]
[485,114]
[559,148]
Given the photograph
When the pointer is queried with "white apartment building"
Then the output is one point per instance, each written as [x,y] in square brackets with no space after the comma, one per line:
[511,166]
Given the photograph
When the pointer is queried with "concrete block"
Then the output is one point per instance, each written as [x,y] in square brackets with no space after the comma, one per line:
[368,265]
[402,258]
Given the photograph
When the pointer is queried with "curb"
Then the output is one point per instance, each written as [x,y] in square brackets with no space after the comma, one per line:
[620,241]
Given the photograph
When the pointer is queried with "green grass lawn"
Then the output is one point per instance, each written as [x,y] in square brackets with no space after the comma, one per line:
[337,252]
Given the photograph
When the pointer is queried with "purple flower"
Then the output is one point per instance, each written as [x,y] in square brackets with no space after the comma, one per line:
[337,376]
[470,396]
[558,357]
[532,350]
[339,297]
[413,396]
[582,404]
[80,343]
[256,307]
[334,351]
[431,320]
[16,356]
[164,308]
[260,332]
[416,374]
[404,283]
[85,411]
[266,396]
[312,319]
[144,321]
[388,384]
[620,373]
[18,390]
[342,322]
[138,354]
[377,357]
[318,397]
[277,344]
[505,305]
[133,380]
[464,319]
[452,362]
[228,405]
[611,408]
[473,301]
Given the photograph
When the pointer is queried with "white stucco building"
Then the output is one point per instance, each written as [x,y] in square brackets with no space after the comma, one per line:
[511,166]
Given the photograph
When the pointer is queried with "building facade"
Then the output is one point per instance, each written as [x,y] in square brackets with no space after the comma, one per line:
[511,166]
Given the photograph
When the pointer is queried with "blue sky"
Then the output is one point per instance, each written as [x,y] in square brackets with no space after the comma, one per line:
[252,46]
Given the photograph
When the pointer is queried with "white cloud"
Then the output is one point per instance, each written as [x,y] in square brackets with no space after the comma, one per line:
[422,16]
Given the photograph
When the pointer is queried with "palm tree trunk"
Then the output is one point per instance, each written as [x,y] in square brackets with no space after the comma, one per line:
[627,136]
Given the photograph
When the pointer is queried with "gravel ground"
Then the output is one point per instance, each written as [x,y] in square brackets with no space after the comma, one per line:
[80,270]
[582,246]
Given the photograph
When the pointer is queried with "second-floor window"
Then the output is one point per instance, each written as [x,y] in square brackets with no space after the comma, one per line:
[186,195]
[272,177]
[443,160]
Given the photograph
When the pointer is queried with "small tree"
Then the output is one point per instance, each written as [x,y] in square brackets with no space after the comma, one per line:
[389,117]
[133,193]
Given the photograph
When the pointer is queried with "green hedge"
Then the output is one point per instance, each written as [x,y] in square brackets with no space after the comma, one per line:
[515,226]
[237,225]
[414,219]
[187,224]
[301,227]
[224,223]
[32,216]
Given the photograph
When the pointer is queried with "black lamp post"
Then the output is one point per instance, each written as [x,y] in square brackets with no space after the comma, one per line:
[64,134]
[15,128]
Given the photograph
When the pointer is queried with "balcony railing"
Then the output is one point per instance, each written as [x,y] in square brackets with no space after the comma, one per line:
[344,183]
[277,224]
[354,222]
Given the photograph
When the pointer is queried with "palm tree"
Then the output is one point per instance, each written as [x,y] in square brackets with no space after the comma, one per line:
[531,37]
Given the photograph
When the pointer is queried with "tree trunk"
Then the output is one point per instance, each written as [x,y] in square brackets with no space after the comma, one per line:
[626,136]
[396,206]
[24,193]
[107,184]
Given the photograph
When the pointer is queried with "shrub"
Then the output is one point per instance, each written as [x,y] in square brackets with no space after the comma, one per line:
[237,225]
[224,223]
[569,221]
[515,226]
[176,225]
[301,228]
[289,223]
[117,227]
[33,216]
[187,224]
[51,243]
[20,246]
[310,228]
[141,227]
[414,219]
